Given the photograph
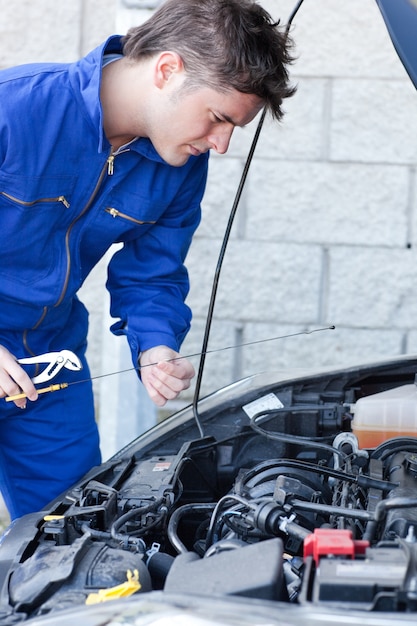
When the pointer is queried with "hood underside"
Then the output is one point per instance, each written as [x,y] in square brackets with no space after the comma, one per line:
[401,21]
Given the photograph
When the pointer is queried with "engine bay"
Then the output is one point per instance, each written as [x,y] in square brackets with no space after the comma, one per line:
[277,501]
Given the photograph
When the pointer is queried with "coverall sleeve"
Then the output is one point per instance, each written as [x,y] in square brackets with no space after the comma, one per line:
[148,281]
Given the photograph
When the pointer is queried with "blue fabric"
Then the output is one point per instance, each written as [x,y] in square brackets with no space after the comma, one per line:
[55,201]
[48,446]
[60,208]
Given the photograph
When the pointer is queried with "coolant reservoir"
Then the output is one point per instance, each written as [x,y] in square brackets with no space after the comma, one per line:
[391,413]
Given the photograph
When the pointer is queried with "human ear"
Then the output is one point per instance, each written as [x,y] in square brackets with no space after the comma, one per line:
[168,65]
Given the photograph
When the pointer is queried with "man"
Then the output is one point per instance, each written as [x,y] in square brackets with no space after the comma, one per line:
[113,148]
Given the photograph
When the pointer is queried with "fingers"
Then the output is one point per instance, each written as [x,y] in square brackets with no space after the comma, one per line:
[165,379]
[14,380]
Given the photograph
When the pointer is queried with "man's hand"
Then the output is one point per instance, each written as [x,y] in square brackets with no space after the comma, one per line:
[164,379]
[14,380]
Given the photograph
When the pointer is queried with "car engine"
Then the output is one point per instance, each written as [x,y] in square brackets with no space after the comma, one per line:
[277,501]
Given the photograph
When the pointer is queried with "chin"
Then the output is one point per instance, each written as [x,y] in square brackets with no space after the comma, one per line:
[175,160]
[174,155]
[179,161]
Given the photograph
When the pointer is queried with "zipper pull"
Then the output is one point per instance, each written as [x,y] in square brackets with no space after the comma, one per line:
[110,165]
[64,201]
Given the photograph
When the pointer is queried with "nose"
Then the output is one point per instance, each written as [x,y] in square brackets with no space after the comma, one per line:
[219,139]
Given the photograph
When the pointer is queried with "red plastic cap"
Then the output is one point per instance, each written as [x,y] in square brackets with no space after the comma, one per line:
[326,542]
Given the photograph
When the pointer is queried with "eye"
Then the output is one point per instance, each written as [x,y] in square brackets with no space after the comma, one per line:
[216,118]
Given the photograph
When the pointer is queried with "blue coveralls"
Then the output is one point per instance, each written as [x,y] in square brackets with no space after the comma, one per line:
[65,197]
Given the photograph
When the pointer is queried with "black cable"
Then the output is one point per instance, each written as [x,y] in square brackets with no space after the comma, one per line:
[362,480]
[134,512]
[222,253]
[391,446]
[172,530]
[294,439]
[234,499]
[216,278]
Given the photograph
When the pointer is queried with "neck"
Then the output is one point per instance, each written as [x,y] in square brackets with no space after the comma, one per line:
[120,95]
[118,142]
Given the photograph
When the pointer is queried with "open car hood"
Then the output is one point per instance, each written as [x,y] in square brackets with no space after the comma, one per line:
[297,506]
[401,20]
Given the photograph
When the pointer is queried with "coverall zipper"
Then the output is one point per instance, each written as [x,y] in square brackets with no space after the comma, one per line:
[32,202]
[109,168]
[116,213]
[65,202]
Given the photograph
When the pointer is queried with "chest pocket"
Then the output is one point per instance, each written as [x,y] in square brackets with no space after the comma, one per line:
[129,218]
[35,213]
[122,216]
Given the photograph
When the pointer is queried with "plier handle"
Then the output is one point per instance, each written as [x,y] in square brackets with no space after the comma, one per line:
[55,362]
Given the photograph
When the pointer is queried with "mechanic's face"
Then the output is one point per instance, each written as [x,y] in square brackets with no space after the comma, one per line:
[190,123]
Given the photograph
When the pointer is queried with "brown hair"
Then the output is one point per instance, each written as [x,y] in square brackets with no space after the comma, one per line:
[224,44]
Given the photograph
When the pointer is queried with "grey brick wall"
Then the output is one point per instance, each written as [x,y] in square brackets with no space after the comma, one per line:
[326,229]
[47,30]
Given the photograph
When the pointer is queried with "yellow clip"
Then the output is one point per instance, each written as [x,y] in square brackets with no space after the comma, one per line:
[53,518]
[127,588]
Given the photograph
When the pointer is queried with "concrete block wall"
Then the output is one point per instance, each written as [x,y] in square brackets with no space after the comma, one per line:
[326,230]
[49,31]
[327,225]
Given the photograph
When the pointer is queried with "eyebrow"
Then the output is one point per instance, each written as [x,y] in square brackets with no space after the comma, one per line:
[228,119]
